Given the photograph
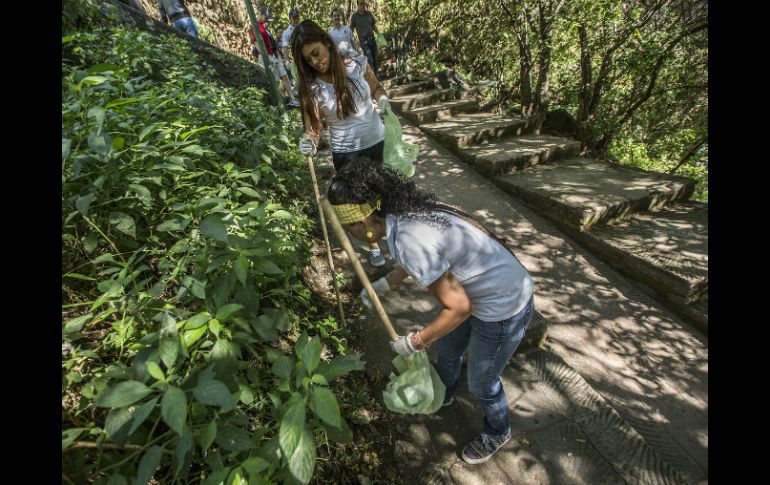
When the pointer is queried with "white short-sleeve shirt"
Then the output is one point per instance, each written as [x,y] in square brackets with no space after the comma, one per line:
[362,128]
[342,37]
[495,281]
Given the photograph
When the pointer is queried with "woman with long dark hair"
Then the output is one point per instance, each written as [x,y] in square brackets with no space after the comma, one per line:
[485,291]
[341,89]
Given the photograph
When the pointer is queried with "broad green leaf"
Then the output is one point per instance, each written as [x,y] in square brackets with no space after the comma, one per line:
[217,477]
[248,191]
[302,460]
[147,465]
[100,143]
[339,366]
[292,427]
[319,379]
[123,223]
[121,102]
[123,394]
[241,268]
[254,465]
[118,143]
[282,366]
[188,134]
[263,325]
[266,266]
[281,318]
[311,354]
[215,326]
[207,435]
[236,477]
[282,214]
[156,372]
[76,324]
[95,69]
[234,439]
[142,414]
[117,424]
[192,336]
[183,446]
[173,409]
[169,340]
[214,393]
[68,436]
[97,113]
[324,404]
[195,149]
[173,224]
[66,144]
[213,226]
[83,203]
[198,320]
[226,311]
[142,192]
[90,242]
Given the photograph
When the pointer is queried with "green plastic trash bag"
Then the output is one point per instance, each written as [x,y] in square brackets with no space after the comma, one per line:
[397,153]
[417,389]
[380,41]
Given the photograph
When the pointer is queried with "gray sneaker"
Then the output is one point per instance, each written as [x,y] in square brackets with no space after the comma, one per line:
[376,258]
[483,447]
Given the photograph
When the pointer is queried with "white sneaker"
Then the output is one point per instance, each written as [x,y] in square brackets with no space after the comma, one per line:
[376,258]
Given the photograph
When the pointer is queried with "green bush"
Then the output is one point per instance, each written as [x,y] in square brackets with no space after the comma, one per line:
[183,228]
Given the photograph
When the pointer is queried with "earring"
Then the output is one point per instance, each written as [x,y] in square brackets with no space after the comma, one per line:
[369,234]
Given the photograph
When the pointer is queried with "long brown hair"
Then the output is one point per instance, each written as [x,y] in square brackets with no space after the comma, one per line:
[308,32]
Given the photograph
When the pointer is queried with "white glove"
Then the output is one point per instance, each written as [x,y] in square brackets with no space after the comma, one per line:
[380,286]
[306,146]
[403,346]
[384,103]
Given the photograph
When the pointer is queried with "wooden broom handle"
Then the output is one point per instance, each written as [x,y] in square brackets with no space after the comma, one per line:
[331,216]
[326,238]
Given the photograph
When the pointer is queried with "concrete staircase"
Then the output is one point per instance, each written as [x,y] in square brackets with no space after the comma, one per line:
[639,222]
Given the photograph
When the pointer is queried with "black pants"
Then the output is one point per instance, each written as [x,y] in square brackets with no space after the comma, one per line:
[369,46]
[374,152]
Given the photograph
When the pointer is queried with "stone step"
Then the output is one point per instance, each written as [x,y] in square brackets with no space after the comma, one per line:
[666,251]
[423,98]
[469,129]
[409,77]
[444,110]
[412,87]
[511,154]
[580,192]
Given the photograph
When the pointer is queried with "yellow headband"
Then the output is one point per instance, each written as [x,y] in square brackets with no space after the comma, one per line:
[350,213]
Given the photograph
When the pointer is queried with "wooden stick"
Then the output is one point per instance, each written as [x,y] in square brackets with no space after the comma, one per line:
[326,237]
[340,232]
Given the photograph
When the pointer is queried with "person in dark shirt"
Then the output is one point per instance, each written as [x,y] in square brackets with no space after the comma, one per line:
[362,21]
[176,11]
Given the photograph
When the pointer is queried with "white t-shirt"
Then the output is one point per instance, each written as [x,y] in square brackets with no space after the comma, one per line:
[286,37]
[495,281]
[362,128]
[342,37]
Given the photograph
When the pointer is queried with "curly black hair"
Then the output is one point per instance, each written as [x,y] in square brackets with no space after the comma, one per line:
[364,181]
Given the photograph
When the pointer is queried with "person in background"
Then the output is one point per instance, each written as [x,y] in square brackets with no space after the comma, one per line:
[362,21]
[176,11]
[263,16]
[135,4]
[286,40]
[341,34]
[486,294]
[342,90]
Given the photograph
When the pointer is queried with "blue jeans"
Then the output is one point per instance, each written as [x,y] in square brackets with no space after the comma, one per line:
[490,346]
[369,46]
[186,24]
